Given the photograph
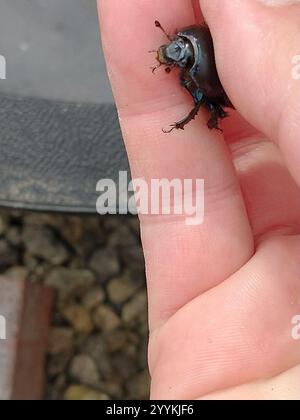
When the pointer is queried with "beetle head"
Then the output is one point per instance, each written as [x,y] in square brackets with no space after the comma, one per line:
[177,53]
[173,53]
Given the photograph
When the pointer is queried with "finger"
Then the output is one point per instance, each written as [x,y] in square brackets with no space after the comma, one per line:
[271,195]
[244,331]
[180,259]
[285,386]
[257,52]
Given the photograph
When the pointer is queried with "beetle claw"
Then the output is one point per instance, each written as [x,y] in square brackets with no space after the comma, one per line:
[175,126]
[167,131]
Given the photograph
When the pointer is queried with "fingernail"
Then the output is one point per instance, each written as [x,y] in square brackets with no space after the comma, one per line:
[279,3]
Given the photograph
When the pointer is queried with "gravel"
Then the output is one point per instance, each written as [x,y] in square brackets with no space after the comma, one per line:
[98,339]
[105,263]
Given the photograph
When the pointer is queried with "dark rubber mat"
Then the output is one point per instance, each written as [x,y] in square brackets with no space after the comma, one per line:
[54,153]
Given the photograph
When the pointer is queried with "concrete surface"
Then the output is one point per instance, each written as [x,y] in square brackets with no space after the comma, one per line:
[52,50]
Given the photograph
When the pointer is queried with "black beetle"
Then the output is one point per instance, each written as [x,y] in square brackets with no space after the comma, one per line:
[192,50]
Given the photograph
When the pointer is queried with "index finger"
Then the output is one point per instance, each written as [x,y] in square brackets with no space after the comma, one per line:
[180,259]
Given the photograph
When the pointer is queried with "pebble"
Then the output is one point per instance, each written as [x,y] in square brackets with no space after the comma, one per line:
[96,347]
[143,355]
[111,222]
[122,237]
[113,386]
[79,318]
[69,282]
[80,392]
[58,364]
[8,254]
[14,236]
[105,318]
[73,229]
[42,242]
[44,219]
[133,257]
[136,308]
[134,224]
[105,263]
[120,289]
[61,340]
[123,365]
[138,386]
[116,340]
[17,272]
[93,297]
[3,225]
[83,369]
[98,342]
[60,382]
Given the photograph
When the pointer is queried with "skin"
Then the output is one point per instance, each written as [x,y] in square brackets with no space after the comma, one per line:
[221,295]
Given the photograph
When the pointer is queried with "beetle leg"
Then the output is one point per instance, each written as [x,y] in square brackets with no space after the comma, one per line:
[217,112]
[198,100]
[182,123]
[197,95]
[189,85]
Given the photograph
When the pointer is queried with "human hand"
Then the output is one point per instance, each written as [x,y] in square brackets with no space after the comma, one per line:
[222,295]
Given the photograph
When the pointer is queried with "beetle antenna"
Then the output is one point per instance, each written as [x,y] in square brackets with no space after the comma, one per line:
[158,25]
